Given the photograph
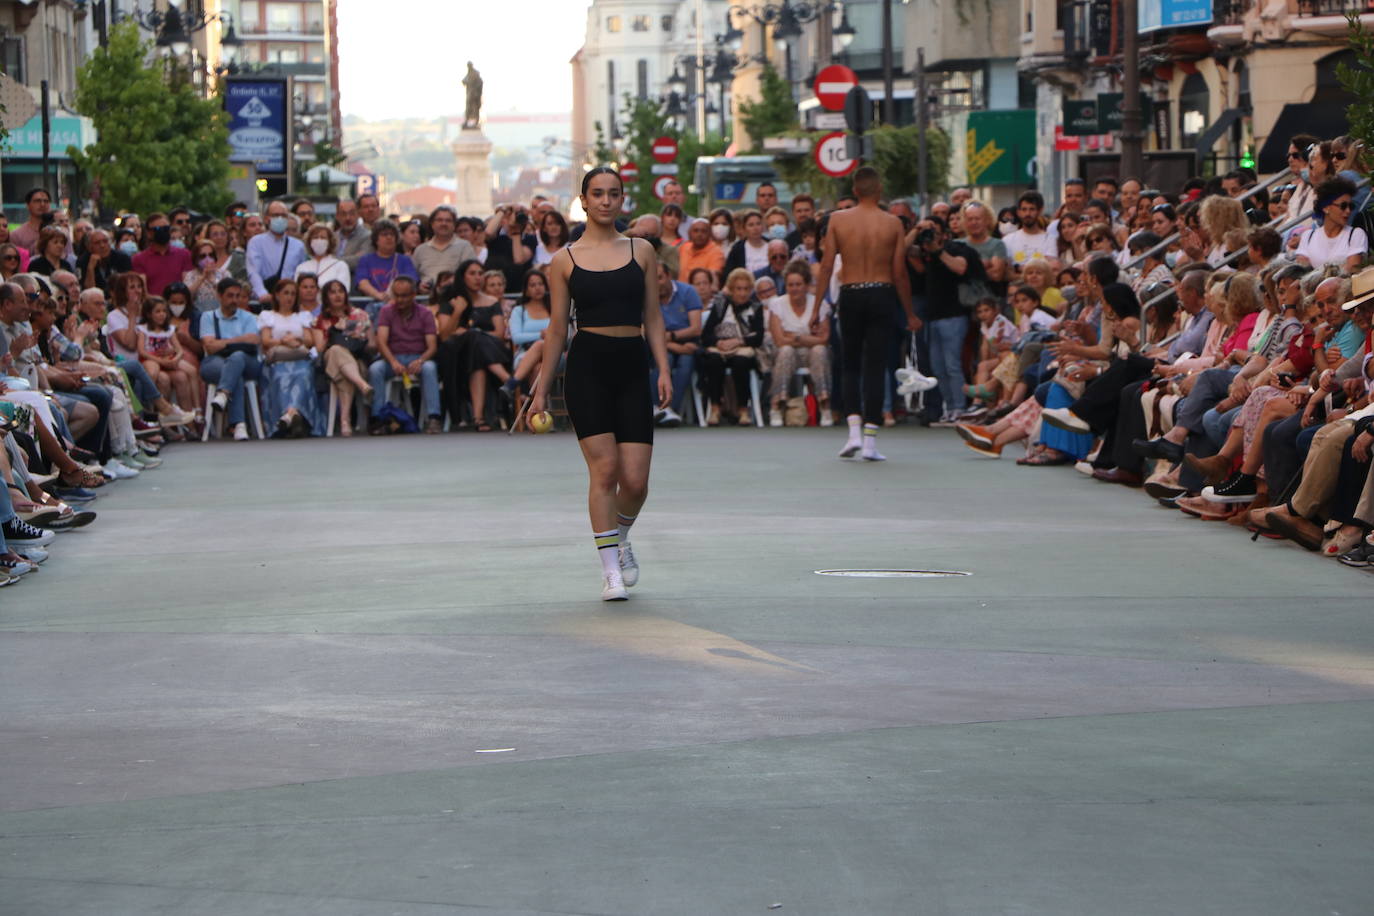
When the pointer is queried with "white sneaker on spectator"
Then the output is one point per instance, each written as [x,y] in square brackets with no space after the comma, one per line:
[827,418]
[1084,467]
[240,432]
[220,401]
[670,418]
[629,566]
[114,469]
[775,418]
[35,555]
[1065,419]
[177,417]
[613,588]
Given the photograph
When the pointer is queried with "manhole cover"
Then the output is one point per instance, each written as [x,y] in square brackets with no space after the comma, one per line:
[893,573]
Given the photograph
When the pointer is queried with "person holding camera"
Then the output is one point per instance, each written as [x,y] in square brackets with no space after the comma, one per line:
[954,281]
[511,244]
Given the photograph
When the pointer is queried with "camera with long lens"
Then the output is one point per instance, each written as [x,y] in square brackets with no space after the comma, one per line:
[925,236]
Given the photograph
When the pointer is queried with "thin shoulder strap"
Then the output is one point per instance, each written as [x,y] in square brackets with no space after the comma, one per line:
[568,249]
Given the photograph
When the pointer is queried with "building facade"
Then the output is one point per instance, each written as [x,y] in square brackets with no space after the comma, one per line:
[298,38]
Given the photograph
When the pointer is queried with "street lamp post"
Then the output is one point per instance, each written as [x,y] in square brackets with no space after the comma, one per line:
[786,19]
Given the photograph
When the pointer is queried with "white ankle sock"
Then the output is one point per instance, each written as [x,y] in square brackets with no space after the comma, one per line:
[608,548]
[871,443]
[625,521]
[856,423]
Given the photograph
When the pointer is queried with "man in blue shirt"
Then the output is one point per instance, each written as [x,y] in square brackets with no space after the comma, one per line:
[230,337]
[681,307]
[273,253]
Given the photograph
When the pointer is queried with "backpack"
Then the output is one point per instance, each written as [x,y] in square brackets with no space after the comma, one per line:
[391,420]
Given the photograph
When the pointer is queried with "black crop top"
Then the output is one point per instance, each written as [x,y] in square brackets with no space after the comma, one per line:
[606,298]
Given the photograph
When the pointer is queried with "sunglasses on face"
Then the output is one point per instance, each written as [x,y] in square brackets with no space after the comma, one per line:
[1296,155]
[1343,205]
[1339,157]
[10,257]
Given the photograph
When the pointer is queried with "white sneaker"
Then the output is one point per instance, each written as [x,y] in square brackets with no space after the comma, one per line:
[177,417]
[827,418]
[670,418]
[775,419]
[240,432]
[17,568]
[220,401]
[1084,467]
[871,453]
[629,566]
[34,555]
[909,381]
[114,470]
[1065,419]
[613,588]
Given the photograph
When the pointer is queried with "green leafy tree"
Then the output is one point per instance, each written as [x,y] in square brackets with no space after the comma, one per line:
[160,144]
[602,154]
[1359,80]
[774,113]
[644,121]
[894,156]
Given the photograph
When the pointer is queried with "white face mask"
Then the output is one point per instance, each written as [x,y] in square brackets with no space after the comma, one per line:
[320,246]
[1007,228]
[177,308]
[720,232]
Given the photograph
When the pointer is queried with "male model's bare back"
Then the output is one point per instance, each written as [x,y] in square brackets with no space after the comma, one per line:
[866,239]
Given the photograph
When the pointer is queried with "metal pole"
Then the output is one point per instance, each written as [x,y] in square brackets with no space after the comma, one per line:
[922,178]
[888,104]
[1132,136]
[46,124]
[701,71]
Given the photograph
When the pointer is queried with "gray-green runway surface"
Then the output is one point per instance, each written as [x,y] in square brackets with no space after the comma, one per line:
[374,676]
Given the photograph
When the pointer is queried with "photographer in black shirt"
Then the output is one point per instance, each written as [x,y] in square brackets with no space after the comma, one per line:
[953,274]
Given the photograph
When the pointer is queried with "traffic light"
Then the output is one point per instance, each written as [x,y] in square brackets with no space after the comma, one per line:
[1247,158]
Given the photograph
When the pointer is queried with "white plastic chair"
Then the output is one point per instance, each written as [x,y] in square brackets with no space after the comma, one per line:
[250,393]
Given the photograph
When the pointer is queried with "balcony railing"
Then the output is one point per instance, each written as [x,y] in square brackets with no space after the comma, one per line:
[1330,7]
[1230,12]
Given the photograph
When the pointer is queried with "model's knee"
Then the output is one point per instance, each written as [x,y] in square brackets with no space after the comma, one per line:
[634,489]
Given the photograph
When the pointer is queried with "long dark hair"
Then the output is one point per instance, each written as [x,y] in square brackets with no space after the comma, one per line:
[544,300]
[324,298]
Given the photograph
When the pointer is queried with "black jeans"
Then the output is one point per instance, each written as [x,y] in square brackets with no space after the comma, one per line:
[866,332]
[713,366]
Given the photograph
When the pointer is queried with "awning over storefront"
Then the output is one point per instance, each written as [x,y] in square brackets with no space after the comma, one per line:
[1326,120]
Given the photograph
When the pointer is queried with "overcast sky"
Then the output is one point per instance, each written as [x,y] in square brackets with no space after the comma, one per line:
[390,54]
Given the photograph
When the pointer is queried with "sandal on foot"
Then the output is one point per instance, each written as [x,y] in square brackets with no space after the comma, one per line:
[82,478]
[1045,460]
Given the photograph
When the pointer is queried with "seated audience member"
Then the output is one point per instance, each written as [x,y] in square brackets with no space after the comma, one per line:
[681,308]
[529,322]
[800,328]
[343,337]
[406,342]
[230,336]
[161,354]
[288,350]
[732,336]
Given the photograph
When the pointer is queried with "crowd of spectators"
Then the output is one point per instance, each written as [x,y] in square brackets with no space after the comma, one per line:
[1209,343]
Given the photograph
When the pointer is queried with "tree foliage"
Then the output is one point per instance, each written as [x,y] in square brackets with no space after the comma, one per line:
[1359,80]
[644,122]
[160,144]
[602,154]
[894,156]
[774,113]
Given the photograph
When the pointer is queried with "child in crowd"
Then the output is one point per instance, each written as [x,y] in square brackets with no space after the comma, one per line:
[160,353]
[999,338]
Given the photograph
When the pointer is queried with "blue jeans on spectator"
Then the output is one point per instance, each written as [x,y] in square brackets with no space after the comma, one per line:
[228,373]
[1217,425]
[680,367]
[142,383]
[380,371]
[947,359]
[7,513]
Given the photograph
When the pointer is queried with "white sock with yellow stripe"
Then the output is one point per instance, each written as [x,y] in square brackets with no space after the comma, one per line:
[608,548]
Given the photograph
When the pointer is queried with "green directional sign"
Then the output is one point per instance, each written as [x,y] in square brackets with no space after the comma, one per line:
[1000,144]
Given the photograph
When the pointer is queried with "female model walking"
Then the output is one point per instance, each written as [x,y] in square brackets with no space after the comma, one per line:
[613,282]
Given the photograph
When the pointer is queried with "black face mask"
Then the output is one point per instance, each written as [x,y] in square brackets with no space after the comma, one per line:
[162,235]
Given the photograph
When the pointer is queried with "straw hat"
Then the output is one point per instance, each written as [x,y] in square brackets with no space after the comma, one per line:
[1361,288]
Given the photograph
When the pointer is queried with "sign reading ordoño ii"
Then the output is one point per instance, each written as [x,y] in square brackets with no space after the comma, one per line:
[259,123]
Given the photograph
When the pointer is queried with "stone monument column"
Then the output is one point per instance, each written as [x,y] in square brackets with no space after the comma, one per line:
[472,154]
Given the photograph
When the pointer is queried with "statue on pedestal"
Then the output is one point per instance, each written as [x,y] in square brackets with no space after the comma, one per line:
[473,83]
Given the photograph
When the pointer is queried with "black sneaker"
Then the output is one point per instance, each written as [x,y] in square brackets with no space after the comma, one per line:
[19,532]
[1238,488]
[1360,556]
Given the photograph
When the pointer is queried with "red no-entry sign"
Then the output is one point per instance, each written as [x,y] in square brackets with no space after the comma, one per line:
[664,149]
[832,84]
[629,171]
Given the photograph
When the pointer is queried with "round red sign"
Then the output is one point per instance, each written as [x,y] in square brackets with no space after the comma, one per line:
[629,171]
[664,149]
[832,84]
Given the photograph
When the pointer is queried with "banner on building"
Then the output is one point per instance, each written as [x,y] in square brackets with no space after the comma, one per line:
[259,123]
[1153,15]
[63,131]
[1109,117]
[1000,146]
